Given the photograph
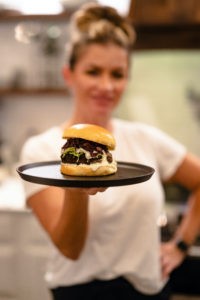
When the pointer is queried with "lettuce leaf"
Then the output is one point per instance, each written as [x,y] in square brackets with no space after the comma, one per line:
[72,151]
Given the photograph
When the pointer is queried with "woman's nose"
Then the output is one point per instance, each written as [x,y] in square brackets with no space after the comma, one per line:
[107,83]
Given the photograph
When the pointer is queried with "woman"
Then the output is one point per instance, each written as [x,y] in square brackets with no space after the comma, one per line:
[105,243]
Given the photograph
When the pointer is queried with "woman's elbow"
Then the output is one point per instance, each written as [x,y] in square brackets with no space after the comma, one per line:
[72,252]
[73,255]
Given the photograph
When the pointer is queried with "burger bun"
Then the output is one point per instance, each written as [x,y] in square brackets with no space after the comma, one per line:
[92,133]
[88,170]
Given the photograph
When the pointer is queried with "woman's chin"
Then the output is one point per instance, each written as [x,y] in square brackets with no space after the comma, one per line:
[103,112]
[103,108]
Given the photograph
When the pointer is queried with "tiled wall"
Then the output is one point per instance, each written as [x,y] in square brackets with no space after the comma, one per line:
[25,116]
[25,65]
[28,53]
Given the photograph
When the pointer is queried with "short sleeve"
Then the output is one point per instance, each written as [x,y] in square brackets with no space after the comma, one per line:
[169,153]
[28,156]
[44,147]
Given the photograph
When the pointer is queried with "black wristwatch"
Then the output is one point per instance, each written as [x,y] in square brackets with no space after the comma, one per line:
[182,246]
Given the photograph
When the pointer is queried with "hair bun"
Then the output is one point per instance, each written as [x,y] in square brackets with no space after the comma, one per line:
[94,23]
[91,13]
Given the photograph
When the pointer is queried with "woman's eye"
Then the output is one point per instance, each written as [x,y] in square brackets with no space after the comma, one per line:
[118,75]
[92,72]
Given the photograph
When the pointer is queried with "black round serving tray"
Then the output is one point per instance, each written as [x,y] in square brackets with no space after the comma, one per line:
[48,173]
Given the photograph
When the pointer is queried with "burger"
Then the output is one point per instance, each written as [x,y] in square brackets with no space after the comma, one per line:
[87,151]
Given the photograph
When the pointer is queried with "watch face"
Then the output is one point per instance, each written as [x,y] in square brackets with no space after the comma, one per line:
[181,245]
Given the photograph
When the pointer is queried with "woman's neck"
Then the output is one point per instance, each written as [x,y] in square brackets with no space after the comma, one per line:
[104,122]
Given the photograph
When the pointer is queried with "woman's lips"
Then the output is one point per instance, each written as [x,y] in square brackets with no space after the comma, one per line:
[102,99]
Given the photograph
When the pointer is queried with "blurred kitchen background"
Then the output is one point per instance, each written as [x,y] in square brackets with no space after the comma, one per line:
[164,91]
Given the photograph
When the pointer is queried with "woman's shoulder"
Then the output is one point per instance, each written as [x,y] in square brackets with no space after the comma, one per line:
[143,131]
[46,136]
[44,144]
[133,126]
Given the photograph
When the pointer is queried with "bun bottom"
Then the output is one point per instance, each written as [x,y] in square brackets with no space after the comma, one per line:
[88,170]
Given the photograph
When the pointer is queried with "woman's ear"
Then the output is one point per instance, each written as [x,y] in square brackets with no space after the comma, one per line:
[67,75]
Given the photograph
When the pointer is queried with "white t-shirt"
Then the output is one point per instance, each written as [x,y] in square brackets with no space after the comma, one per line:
[123,237]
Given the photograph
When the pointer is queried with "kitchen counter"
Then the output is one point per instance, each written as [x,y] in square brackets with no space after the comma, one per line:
[11,191]
[23,244]
[24,249]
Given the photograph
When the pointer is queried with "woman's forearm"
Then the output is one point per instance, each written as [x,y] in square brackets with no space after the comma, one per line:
[189,228]
[70,231]
[190,225]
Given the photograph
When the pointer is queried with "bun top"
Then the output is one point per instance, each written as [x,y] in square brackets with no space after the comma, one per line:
[92,133]
[95,19]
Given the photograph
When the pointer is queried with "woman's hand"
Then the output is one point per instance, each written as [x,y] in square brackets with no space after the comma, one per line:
[88,191]
[171,257]
[188,176]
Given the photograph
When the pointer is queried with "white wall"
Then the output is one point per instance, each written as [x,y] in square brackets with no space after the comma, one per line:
[157,93]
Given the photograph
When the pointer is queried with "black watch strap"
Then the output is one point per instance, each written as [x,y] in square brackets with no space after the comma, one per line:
[182,246]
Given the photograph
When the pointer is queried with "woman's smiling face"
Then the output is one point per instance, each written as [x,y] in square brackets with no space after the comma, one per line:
[98,79]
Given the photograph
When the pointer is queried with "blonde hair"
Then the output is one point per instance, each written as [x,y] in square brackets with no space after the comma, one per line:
[94,23]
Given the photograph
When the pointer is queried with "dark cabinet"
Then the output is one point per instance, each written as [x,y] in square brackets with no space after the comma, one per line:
[166,24]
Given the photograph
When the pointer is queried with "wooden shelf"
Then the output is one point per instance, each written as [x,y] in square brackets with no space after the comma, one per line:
[161,28]
[167,36]
[32,92]
[169,24]
[20,17]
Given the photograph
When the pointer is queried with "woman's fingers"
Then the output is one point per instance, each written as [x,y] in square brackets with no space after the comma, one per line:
[89,191]
[93,191]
